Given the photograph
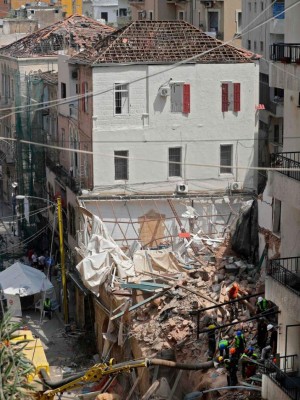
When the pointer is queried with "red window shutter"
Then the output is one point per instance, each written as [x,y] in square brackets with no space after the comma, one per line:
[237,97]
[186,98]
[225,101]
[82,98]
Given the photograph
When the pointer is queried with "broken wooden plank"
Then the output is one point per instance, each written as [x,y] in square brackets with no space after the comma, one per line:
[141,303]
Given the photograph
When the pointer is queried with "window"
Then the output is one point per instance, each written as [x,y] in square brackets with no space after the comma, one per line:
[262,6]
[104,15]
[85,98]
[71,220]
[142,14]
[231,96]
[249,45]
[181,15]
[63,90]
[276,215]
[63,138]
[180,97]
[151,15]
[123,12]
[121,165]
[276,133]
[175,161]
[12,89]
[213,21]
[121,94]
[249,6]
[238,21]
[255,7]
[261,46]
[254,45]
[226,159]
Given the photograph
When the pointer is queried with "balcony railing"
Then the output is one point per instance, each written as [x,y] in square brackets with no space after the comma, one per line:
[63,176]
[287,382]
[286,272]
[288,160]
[285,52]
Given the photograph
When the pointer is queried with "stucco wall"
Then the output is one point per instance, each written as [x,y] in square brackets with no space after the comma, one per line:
[150,128]
[270,391]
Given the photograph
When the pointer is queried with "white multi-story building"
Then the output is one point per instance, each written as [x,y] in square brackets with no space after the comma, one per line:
[111,12]
[263,23]
[281,202]
[155,126]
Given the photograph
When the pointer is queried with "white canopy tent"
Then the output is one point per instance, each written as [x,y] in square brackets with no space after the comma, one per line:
[20,280]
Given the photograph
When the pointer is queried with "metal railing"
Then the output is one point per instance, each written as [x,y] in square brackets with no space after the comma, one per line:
[287,383]
[63,176]
[288,160]
[285,271]
[285,52]
[288,364]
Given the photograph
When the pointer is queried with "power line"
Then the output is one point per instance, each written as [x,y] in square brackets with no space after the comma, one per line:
[67,100]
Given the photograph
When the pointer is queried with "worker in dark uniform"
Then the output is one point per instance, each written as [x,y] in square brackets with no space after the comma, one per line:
[261,305]
[47,307]
[248,367]
[262,333]
[231,365]
[239,343]
[271,348]
[211,341]
[224,348]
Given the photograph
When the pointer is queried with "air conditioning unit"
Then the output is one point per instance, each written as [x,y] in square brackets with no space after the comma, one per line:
[235,186]
[182,188]
[164,91]
[208,4]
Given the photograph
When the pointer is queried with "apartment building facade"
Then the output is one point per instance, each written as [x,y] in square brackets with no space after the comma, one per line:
[264,22]
[112,12]
[281,201]
[221,19]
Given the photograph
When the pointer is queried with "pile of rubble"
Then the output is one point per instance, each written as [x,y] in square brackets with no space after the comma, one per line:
[167,324]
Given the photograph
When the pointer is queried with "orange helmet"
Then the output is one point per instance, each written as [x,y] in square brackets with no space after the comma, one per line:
[232,350]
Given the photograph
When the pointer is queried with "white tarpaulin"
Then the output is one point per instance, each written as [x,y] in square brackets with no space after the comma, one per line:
[20,279]
[103,255]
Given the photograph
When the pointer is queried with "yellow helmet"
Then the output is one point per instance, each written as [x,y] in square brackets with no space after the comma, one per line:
[220,359]
[211,326]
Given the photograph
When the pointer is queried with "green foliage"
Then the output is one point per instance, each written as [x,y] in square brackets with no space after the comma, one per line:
[14,366]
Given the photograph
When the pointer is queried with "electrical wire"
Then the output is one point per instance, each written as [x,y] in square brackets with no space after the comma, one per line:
[67,100]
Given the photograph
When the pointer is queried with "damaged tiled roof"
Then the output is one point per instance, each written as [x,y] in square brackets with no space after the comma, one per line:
[73,34]
[160,42]
[49,77]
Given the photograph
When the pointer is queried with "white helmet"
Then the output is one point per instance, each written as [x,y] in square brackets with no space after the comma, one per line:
[259,299]
[269,327]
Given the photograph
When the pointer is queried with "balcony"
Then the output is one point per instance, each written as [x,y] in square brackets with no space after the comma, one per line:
[276,107]
[286,272]
[63,177]
[285,52]
[288,160]
[285,376]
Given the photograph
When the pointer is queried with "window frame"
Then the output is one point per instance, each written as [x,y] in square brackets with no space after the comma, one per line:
[224,169]
[117,91]
[124,177]
[63,90]
[175,164]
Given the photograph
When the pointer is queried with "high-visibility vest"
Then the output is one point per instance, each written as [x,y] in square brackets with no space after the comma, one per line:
[262,305]
[47,304]
[238,340]
[223,341]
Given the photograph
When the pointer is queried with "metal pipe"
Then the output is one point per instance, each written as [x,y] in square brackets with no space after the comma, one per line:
[227,302]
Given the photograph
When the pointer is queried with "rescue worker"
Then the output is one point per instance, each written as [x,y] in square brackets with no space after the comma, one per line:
[47,307]
[262,333]
[211,341]
[261,305]
[248,367]
[231,365]
[233,293]
[224,348]
[272,346]
[239,342]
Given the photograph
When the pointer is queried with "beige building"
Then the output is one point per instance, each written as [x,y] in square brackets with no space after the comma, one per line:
[223,19]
